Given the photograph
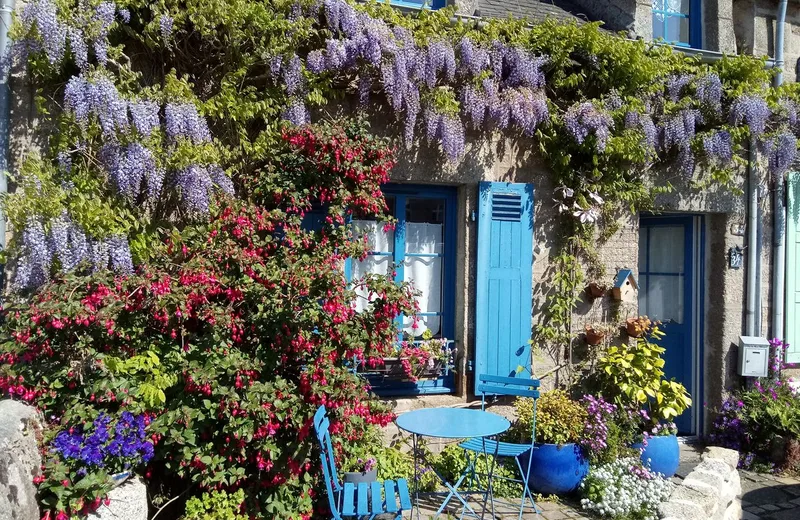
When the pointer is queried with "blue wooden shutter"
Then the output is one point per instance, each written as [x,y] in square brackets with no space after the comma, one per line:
[793,268]
[505,263]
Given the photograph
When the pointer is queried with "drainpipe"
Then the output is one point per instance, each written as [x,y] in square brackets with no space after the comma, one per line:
[752,241]
[6,9]
[779,202]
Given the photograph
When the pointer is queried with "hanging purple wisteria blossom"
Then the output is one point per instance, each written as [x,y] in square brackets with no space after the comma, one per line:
[451,134]
[165,26]
[675,85]
[788,109]
[120,254]
[751,110]
[781,152]
[124,15]
[412,107]
[127,167]
[33,264]
[221,179]
[719,147]
[582,119]
[102,19]
[528,110]
[473,57]
[98,255]
[194,183]
[525,69]
[101,99]
[293,75]
[644,123]
[678,129]
[709,92]
[77,44]
[155,182]
[144,115]
[473,102]
[43,14]
[183,120]
[296,113]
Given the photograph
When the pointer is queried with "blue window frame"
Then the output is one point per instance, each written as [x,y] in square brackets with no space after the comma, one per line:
[421,250]
[678,22]
[419,4]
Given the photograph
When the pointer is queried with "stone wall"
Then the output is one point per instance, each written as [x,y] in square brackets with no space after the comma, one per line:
[635,17]
[754,26]
[20,462]
[710,492]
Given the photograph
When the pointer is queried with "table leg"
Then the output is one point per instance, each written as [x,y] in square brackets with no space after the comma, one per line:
[490,464]
[416,477]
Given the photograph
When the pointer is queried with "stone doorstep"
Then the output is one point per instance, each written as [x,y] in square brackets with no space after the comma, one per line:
[705,498]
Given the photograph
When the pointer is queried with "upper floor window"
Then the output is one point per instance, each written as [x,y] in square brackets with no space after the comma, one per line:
[677,22]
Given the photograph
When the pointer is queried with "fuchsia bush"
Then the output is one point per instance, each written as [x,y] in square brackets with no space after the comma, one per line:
[225,343]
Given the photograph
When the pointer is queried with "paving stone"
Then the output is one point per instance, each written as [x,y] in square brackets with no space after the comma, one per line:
[795,501]
[754,509]
[758,495]
[555,515]
[793,490]
[786,514]
[770,507]
[749,516]
[786,505]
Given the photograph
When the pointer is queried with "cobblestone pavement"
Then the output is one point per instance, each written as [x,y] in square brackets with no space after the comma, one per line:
[764,497]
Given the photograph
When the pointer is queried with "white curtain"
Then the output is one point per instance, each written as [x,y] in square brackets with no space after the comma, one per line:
[425,274]
[380,241]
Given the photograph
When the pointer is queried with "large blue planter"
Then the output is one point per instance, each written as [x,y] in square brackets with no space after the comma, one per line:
[556,468]
[662,454]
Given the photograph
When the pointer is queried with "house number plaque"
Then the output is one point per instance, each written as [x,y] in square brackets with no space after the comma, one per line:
[735,257]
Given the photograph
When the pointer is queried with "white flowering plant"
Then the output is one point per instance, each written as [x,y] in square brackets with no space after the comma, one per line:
[624,489]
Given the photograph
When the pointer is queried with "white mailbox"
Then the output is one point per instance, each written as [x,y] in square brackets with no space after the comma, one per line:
[753,356]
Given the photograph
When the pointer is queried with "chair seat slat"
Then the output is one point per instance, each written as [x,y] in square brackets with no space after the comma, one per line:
[377,502]
[391,499]
[505,449]
[363,504]
[349,507]
[402,492]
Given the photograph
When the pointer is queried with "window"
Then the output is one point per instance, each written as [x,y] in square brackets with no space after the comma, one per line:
[419,4]
[677,22]
[422,250]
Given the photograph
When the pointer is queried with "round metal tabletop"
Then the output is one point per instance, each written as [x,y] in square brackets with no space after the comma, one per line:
[452,423]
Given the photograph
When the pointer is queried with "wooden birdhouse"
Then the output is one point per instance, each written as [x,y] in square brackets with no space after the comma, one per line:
[625,287]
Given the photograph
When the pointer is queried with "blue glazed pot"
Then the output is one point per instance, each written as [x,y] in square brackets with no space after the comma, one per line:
[663,454]
[555,468]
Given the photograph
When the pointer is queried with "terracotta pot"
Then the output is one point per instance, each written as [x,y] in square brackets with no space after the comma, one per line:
[631,327]
[594,290]
[593,337]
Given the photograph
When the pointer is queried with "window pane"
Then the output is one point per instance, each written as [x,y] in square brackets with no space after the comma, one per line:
[665,298]
[666,249]
[681,6]
[425,210]
[425,274]
[643,311]
[424,238]
[658,5]
[642,249]
[378,240]
[658,26]
[373,264]
[677,29]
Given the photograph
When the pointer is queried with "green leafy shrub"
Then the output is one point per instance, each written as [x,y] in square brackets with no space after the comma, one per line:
[559,419]
[632,376]
[217,505]
[452,461]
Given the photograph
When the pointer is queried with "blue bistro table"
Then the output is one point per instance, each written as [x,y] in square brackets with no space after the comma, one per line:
[453,423]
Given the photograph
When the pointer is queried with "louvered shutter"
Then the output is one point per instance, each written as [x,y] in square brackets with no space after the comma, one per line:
[504,278]
[793,269]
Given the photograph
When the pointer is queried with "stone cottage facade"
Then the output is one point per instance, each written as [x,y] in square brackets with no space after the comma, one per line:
[692,238]
[476,238]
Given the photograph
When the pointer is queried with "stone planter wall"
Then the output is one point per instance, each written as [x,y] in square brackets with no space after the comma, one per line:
[710,492]
[20,462]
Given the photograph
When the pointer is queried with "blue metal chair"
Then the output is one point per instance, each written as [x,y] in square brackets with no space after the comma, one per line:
[512,386]
[366,499]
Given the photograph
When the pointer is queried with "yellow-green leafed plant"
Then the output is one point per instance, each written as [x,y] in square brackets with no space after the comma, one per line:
[559,419]
[633,376]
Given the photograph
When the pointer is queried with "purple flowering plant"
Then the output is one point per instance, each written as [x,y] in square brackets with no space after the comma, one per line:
[82,458]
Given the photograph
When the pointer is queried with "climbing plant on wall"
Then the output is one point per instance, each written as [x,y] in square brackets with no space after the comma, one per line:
[154,110]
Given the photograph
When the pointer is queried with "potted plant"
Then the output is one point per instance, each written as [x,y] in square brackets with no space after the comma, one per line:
[595,290]
[594,333]
[637,326]
[360,469]
[631,375]
[426,358]
[558,463]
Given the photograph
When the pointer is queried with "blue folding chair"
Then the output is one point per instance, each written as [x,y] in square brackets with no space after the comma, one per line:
[513,386]
[366,499]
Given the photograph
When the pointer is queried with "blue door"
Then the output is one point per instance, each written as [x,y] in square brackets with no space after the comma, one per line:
[503,285]
[669,269]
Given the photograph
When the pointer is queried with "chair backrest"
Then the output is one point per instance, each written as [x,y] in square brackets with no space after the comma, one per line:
[516,386]
[322,428]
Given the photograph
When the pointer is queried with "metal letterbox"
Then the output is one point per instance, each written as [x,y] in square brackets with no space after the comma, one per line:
[753,356]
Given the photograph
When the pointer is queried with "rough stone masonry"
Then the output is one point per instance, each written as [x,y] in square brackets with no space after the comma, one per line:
[710,492]
[20,462]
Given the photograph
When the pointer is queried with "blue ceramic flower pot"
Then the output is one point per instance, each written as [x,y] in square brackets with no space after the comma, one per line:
[661,455]
[556,468]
